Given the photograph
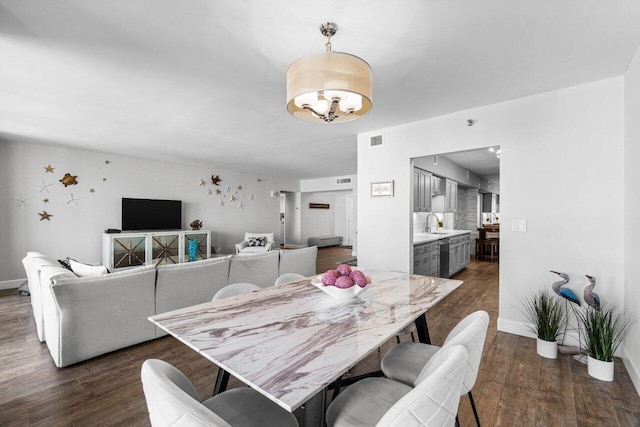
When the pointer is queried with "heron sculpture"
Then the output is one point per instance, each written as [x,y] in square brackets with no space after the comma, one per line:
[565,293]
[591,297]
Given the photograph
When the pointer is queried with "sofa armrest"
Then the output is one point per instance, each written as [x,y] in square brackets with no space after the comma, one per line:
[240,246]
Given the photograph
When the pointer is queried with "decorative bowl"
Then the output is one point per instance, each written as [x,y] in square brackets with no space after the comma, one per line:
[339,293]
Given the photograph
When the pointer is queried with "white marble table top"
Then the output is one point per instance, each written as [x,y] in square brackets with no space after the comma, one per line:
[291,341]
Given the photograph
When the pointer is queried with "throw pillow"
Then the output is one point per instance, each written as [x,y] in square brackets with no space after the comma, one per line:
[257,241]
[86,270]
[65,263]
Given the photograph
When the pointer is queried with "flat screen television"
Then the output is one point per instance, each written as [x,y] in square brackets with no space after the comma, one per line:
[151,214]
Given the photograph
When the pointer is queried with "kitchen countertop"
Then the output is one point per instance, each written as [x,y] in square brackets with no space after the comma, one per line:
[441,234]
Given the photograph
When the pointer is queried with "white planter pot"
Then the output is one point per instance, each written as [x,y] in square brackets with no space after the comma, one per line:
[548,349]
[599,369]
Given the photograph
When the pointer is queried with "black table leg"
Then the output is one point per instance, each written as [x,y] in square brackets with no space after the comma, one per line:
[221,381]
[423,329]
[314,410]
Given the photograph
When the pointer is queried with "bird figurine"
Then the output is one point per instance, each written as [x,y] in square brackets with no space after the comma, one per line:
[591,297]
[565,293]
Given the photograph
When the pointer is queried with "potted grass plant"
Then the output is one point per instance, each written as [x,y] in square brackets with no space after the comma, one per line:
[603,329]
[547,316]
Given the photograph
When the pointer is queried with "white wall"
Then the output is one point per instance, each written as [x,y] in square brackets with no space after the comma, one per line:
[561,170]
[76,231]
[631,349]
[318,222]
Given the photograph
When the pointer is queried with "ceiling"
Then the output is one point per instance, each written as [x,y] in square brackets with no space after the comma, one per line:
[483,162]
[203,81]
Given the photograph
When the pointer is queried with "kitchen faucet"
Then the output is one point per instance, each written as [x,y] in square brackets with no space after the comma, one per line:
[427,229]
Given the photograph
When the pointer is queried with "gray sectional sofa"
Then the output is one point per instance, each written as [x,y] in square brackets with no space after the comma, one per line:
[84,317]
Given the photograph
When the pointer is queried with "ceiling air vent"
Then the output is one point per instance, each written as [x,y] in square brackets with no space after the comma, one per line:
[343,180]
[375,141]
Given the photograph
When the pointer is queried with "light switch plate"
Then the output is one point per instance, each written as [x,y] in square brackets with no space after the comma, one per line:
[519,225]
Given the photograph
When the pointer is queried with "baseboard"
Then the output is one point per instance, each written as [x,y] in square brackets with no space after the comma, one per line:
[11,284]
[634,372]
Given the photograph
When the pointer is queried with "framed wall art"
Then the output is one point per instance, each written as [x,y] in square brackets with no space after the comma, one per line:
[382,189]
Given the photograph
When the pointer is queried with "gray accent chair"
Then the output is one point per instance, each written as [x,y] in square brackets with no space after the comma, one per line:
[189,283]
[301,261]
[244,248]
[235,289]
[172,400]
[383,402]
[288,278]
[404,362]
[259,269]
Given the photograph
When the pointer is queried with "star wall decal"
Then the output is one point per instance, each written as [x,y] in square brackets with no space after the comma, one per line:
[48,169]
[221,202]
[44,215]
[232,199]
[228,189]
[45,200]
[92,190]
[241,205]
[217,191]
[72,199]
[201,182]
[215,179]
[104,179]
[239,187]
[251,197]
[106,162]
[209,192]
[44,186]
[22,200]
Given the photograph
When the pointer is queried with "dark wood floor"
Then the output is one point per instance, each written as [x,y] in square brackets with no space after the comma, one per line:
[514,387]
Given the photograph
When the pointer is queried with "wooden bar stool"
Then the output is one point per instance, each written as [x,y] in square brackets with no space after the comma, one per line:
[491,250]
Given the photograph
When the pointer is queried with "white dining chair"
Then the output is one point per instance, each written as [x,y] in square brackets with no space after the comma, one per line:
[172,400]
[235,289]
[383,402]
[404,362]
[288,277]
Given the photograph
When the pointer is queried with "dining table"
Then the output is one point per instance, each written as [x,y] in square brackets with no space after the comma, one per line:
[290,342]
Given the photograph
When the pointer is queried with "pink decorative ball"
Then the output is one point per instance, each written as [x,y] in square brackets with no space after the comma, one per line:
[344,269]
[329,278]
[358,278]
[344,282]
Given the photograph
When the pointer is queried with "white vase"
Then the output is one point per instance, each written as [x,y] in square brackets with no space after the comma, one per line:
[548,349]
[600,369]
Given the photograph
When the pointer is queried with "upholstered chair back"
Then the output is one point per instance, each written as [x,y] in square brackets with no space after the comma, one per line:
[235,289]
[171,398]
[470,332]
[434,400]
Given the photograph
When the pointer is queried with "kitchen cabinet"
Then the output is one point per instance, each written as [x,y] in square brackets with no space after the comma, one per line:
[421,190]
[450,195]
[436,185]
[426,259]
[459,253]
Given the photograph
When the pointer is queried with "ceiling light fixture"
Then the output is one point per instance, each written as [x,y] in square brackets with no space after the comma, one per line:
[330,87]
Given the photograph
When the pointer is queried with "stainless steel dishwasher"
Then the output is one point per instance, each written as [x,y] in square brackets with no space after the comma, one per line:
[444,258]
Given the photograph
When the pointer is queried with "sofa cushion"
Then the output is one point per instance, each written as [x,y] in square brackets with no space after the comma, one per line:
[259,269]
